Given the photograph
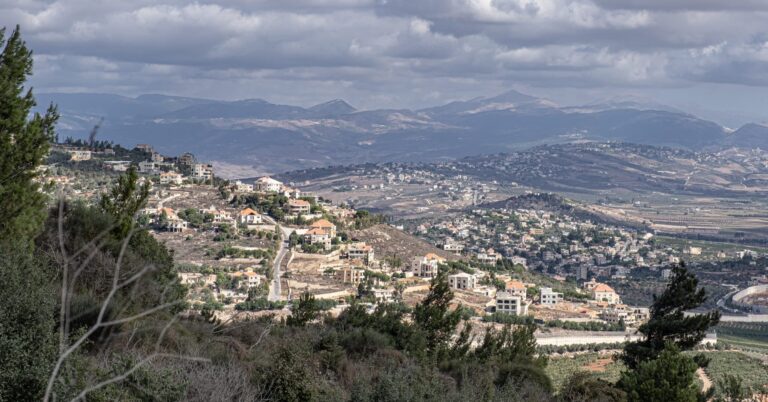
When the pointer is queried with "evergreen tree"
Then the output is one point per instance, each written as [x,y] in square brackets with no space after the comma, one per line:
[432,314]
[668,323]
[125,200]
[304,311]
[27,295]
[24,143]
[669,377]
[585,387]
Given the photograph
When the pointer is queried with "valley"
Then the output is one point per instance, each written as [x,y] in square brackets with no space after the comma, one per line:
[254,136]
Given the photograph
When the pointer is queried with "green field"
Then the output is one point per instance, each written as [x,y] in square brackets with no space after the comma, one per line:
[745,336]
[559,369]
[708,248]
[752,371]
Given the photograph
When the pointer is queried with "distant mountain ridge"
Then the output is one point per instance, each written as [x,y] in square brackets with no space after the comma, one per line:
[271,137]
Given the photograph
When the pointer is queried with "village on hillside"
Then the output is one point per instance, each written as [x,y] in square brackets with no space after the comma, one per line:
[249,248]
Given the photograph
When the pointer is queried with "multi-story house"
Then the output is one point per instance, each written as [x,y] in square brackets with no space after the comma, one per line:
[509,303]
[462,280]
[250,217]
[268,185]
[426,266]
[296,207]
[548,297]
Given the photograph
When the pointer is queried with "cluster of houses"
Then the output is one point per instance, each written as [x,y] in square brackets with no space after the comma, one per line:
[559,243]
[514,299]
[166,168]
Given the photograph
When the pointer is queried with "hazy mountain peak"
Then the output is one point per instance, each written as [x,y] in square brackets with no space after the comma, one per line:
[333,107]
[511,96]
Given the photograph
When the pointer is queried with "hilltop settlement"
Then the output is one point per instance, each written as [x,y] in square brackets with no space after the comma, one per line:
[249,248]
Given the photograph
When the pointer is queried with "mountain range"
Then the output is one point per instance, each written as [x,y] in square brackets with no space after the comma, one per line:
[255,136]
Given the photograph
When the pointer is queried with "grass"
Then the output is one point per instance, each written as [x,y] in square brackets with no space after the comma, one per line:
[559,369]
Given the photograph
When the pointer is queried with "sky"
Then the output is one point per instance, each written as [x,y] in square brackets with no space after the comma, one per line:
[709,57]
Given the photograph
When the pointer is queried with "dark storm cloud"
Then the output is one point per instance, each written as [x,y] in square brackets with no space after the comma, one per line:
[388,52]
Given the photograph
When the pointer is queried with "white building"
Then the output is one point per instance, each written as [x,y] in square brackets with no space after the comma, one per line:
[117,166]
[383,295]
[426,266]
[250,217]
[242,187]
[452,245]
[147,167]
[248,278]
[296,207]
[360,251]
[171,178]
[268,184]
[77,155]
[509,303]
[462,280]
[202,171]
[549,297]
[617,314]
[317,236]
[516,288]
[604,293]
[488,257]
[517,260]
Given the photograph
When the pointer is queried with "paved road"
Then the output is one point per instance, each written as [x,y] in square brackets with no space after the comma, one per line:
[274,288]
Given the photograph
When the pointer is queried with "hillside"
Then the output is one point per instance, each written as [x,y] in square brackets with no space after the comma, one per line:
[265,137]
[390,242]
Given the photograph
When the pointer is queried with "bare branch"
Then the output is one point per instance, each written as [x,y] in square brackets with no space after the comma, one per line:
[63,329]
[261,337]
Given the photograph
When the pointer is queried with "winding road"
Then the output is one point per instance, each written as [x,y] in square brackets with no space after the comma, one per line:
[274,287]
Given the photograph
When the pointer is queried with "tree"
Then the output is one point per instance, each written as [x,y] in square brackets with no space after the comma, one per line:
[669,377]
[24,143]
[125,200]
[432,314]
[584,387]
[668,323]
[732,389]
[27,325]
[304,311]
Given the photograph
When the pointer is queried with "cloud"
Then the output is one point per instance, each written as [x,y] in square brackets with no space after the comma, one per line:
[389,52]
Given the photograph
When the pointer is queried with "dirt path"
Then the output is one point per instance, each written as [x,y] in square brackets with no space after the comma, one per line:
[706,383]
[598,365]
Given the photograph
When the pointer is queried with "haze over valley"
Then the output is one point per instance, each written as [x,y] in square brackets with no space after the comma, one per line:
[251,137]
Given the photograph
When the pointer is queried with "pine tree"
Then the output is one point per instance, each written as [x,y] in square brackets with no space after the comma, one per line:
[303,312]
[668,322]
[24,143]
[432,314]
[27,297]
[125,200]
[671,376]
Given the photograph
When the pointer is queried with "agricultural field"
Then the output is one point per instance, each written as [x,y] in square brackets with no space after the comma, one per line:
[709,249]
[599,364]
[750,367]
[744,335]
[752,371]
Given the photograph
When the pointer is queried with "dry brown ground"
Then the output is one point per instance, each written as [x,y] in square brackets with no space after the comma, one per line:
[389,242]
[598,366]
